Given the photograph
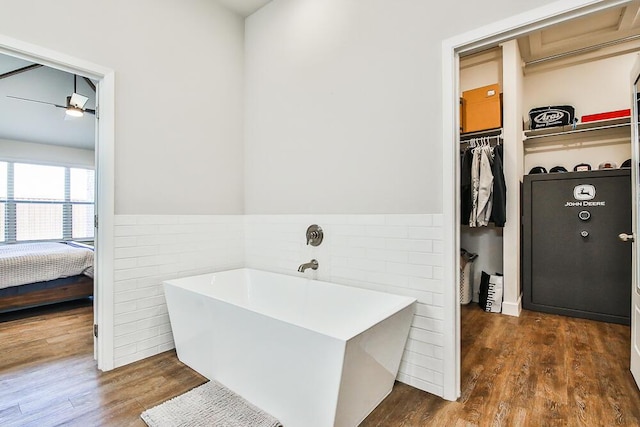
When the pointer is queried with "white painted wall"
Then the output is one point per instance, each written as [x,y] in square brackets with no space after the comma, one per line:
[342,103]
[591,87]
[179,94]
[481,75]
[482,69]
[21,151]
[591,149]
[487,243]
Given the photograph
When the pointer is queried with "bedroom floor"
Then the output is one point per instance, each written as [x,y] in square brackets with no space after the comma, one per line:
[537,369]
[48,376]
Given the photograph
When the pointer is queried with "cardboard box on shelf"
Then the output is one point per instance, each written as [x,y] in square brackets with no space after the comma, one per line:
[482,109]
[462,115]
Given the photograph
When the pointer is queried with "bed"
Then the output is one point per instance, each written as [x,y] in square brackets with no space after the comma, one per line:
[35,274]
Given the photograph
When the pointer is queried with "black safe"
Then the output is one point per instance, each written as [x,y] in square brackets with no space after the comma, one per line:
[573,262]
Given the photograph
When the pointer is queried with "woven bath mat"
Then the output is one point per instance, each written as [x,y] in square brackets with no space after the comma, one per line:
[210,404]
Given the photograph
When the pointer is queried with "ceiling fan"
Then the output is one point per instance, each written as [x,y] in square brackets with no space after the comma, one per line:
[74,106]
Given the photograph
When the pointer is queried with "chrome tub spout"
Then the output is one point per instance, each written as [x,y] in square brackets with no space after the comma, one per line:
[313,264]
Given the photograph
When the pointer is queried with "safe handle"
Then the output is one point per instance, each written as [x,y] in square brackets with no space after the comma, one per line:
[626,237]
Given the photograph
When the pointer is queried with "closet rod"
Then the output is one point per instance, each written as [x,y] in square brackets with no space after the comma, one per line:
[490,139]
[496,133]
[583,50]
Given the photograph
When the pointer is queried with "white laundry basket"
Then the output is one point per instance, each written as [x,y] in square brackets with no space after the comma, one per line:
[466,276]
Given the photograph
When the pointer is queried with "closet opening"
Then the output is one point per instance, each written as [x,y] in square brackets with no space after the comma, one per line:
[482,181]
[582,62]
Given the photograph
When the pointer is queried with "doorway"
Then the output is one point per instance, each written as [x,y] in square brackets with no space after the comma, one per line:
[47,170]
[487,37]
[104,197]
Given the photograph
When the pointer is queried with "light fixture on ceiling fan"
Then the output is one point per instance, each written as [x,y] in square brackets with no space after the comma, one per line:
[74,106]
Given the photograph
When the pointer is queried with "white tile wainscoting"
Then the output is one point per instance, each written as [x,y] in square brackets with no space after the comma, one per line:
[399,253]
[153,248]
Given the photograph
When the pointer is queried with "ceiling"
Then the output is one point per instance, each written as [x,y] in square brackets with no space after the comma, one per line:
[582,33]
[41,123]
[243,7]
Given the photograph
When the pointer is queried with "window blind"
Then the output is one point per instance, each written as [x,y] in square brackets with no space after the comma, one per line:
[3,198]
[41,202]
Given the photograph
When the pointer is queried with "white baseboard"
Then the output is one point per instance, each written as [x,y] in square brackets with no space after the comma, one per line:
[512,308]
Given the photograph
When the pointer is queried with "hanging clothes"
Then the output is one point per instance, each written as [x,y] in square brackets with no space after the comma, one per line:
[475,187]
[483,188]
[499,209]
[465,186]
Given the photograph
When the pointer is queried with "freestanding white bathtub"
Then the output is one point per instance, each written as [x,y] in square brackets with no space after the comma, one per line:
[311,353]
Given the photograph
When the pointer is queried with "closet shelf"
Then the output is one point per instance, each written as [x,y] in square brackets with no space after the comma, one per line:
[561,132]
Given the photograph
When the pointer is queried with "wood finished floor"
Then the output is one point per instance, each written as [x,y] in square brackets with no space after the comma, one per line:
[48,376]
[535,370]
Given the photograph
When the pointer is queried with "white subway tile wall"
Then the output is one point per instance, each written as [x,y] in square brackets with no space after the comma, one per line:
[153,248]
[400,254]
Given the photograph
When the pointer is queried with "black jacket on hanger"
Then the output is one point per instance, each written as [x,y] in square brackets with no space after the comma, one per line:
[465,186]
[499,210]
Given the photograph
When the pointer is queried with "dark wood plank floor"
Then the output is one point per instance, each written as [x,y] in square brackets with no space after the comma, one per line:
[48,376]
[535,370]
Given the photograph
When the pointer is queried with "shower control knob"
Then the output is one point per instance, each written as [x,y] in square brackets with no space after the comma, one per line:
[314,235]
[584,233]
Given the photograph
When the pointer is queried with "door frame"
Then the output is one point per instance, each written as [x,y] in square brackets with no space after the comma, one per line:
[474,41]
[635,282]
[105,138]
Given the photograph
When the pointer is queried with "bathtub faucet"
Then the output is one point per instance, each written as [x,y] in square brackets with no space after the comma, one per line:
[313,264]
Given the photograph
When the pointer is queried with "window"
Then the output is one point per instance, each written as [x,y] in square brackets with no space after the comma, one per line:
[39,202]
[82,195]
[3,198]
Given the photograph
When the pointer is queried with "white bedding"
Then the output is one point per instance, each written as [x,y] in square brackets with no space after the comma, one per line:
[23,263]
